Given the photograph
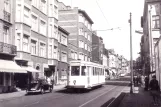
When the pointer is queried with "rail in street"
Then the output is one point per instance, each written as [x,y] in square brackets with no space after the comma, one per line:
[98,97]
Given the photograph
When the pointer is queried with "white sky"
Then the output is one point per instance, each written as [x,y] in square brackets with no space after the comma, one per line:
[117,15]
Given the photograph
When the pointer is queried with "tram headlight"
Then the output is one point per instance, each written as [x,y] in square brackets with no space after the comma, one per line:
[74,82]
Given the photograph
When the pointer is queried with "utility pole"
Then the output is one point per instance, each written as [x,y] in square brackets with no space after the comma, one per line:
[131,58]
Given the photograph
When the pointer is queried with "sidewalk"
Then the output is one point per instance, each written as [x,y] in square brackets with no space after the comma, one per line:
[139,98]
[9,96]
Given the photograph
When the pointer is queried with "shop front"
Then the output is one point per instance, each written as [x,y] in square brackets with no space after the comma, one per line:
[8,69]
[62,72]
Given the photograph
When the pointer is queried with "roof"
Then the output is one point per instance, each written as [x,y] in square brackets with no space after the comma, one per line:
[63,30]
[86,15]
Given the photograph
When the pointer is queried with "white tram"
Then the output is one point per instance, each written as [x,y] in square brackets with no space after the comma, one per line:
[86,75]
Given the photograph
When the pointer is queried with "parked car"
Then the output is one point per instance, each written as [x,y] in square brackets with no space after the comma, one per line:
[39,86]
[122,75]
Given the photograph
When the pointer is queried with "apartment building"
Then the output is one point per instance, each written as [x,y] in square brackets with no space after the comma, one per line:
[62,55]
[97,48]
[35,30]
[79,25]
[8,66]
[113,61]
[151,32]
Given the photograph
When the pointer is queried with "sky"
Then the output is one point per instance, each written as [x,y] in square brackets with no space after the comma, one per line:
[107,14]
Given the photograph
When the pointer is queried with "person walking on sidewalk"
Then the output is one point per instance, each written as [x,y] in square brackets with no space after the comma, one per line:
[155,90]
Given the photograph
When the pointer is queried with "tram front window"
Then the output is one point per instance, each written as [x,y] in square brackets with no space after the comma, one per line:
[75,71]
[83,70]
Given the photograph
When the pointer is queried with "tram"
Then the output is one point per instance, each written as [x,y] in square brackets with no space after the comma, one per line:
[85,75]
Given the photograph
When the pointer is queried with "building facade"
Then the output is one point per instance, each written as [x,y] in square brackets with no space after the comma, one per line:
[151,25]
[97,48]
[79,25]
[62,55]
[113,62]
[35,30]
[8,66]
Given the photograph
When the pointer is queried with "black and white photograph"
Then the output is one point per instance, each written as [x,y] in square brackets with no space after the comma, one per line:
[80,53]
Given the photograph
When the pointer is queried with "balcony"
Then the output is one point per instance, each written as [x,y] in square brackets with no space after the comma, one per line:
[7,48]
[7,16]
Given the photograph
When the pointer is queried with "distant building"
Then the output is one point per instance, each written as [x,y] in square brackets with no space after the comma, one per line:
[79,25]
[97,48]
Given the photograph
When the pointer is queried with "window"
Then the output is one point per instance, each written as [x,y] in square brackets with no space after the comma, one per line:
[55,52]
[72,54]
[58,36]
[89,59]
[26,15]
[89,37]
[33,47]
[43,6]
[83,70]
[85,46]
[81,18]
[18,41]
[156,21]
[55,10]
[42,49]
[50,30]
[89,49]
[7,6]
[63,40]
[55,32]
[85,34]
[75,56]
[50,51]
[85,58]
[51,10]
[18,12]
[81,56]
[81,44]
[25,43]
[75,70]
[34,23]
[6,34]
[64,57]
[80,31]
[59,55]
[43,27]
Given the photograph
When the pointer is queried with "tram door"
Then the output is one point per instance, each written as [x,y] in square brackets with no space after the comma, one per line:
[88,75]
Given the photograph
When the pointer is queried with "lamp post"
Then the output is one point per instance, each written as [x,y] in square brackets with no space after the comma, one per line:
[131,58]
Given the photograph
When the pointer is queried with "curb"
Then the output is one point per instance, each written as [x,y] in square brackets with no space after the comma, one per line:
[116,102]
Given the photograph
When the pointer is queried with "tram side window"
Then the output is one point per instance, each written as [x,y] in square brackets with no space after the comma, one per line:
[75,71]
[83,70]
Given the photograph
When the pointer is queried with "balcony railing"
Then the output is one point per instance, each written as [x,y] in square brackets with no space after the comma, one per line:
[7,48]
[7,16]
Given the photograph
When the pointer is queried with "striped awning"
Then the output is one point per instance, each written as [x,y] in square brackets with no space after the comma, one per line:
[10,66]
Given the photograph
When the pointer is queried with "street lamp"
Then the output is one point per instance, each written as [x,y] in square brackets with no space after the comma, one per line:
[131,59]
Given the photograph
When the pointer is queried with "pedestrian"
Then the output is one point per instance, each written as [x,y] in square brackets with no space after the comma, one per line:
[146,83]
[155,90]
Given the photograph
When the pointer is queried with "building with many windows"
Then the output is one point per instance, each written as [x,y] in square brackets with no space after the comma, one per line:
[79,25]
[62,55]
[8,66]
[35,30]
[150,22]
[97,48]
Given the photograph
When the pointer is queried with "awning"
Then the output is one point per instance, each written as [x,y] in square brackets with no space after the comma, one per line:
[10,66]
[29,69]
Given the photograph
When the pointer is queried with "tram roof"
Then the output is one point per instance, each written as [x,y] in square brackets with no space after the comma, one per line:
[75,62]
